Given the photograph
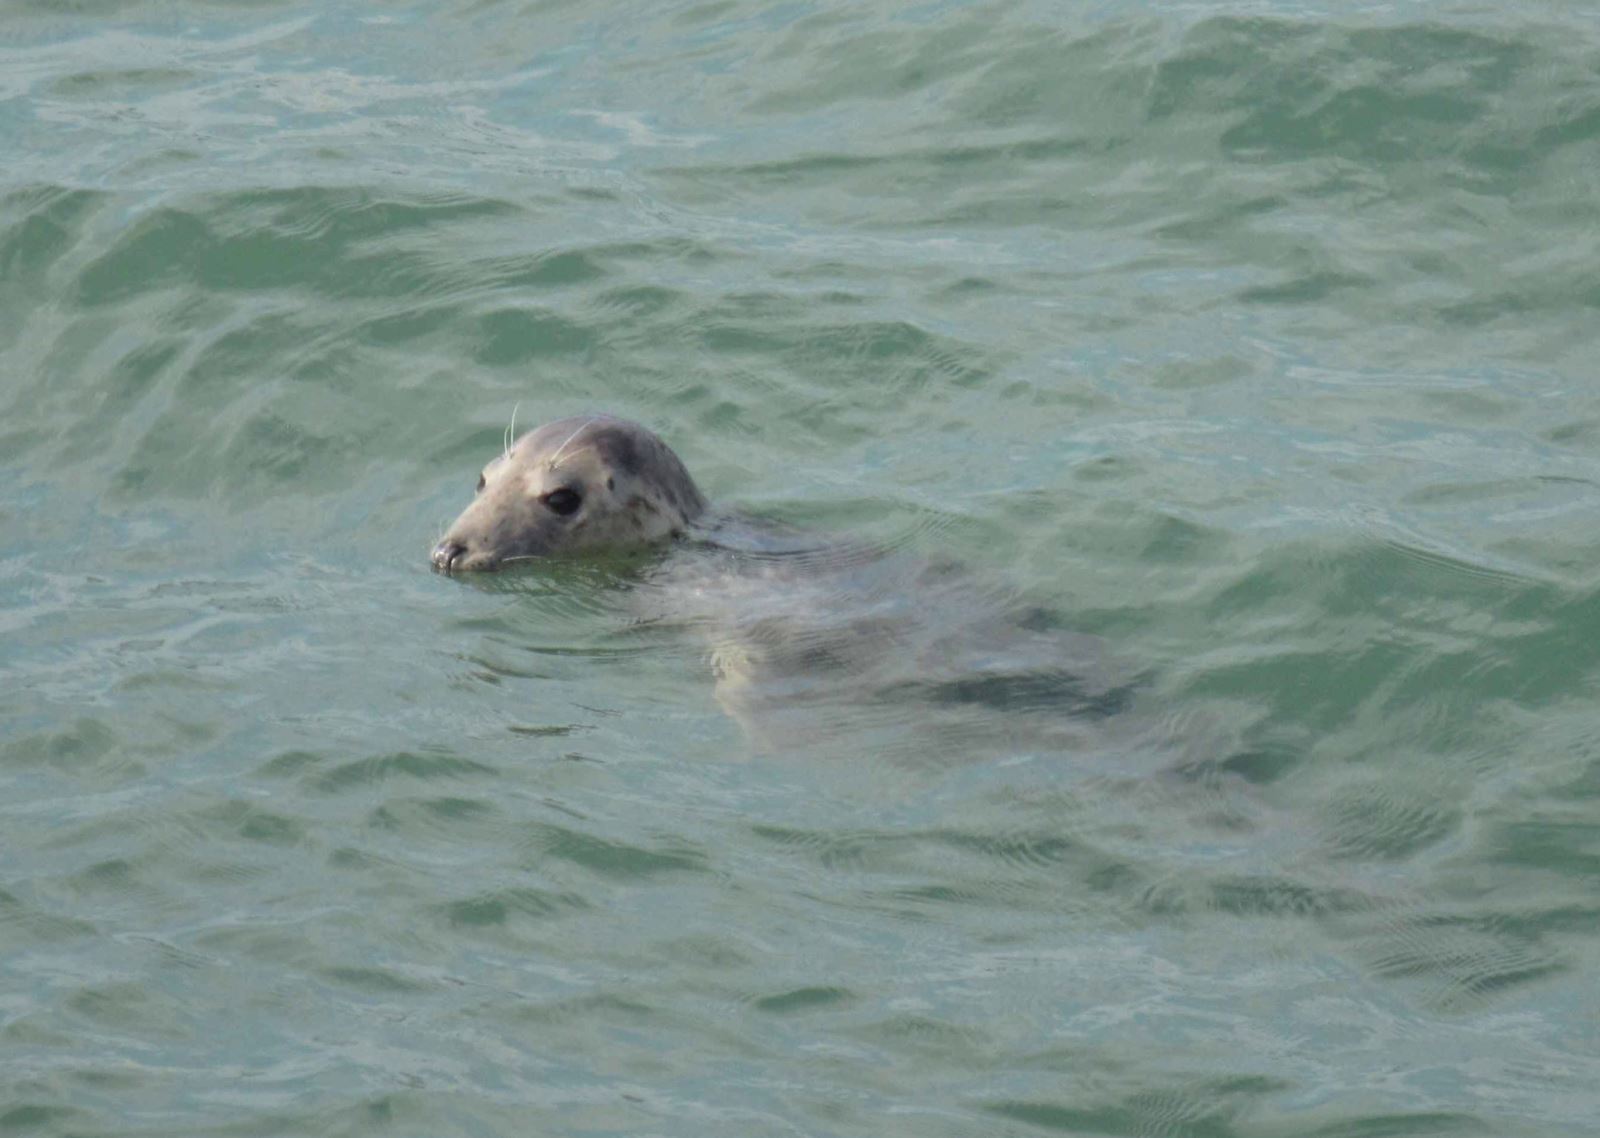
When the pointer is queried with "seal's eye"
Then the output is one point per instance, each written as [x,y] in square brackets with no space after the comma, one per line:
[481,481]
[562,501]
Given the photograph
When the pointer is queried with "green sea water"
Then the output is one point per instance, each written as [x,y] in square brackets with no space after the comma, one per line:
[1258,340]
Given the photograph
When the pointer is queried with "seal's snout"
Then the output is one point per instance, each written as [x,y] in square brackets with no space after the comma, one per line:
[446,555]
[451,556]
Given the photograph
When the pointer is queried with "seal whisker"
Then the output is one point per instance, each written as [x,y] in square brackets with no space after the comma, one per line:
[511,430]
[585,425]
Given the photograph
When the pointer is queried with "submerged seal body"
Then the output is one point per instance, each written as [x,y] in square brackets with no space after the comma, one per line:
[588,484]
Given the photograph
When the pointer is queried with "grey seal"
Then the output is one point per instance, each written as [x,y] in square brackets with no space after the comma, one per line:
[586,484]
[808,639]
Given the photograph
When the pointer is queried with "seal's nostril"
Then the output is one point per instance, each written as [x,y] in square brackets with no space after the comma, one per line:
[445,555]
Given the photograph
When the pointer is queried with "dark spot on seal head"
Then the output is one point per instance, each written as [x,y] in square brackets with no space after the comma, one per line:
[619,451]
[611,483]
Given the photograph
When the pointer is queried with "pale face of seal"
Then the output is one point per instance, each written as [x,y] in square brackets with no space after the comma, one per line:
[584,484]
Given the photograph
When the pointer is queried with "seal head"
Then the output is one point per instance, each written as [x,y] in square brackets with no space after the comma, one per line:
[585,484]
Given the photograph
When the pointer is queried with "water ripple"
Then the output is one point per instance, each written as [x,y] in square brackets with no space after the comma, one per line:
[1171,651]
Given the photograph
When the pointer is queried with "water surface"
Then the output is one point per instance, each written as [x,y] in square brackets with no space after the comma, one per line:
[1255,339]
